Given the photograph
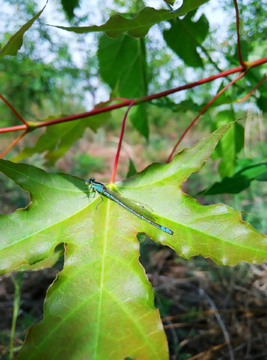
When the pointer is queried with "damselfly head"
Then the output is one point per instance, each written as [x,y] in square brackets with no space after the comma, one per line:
[89,181]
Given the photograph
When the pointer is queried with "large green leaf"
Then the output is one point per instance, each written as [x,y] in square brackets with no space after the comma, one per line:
[140,24]
[15,42]
[101,305]
[122,65]
[185,36]
[58,138]
[239,181]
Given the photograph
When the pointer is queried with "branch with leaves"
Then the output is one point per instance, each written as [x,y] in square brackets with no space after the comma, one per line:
[101,305]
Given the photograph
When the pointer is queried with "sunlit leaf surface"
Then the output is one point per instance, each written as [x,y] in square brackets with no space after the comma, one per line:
[101,305]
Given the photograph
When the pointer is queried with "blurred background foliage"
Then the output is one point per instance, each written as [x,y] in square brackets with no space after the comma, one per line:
[58,73]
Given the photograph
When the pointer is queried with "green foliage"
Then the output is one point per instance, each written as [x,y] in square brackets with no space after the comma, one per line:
[132,170]
[241,180]
[102,281]
[57,139]
[185,36]
[25,83]
[69,6]
[15,42]
[122,65]
[85,164]
[140,24]
[230,145]
[101,305]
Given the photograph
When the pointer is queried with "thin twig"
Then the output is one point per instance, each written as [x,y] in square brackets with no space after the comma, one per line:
[220,321]
[251,91]
[202,354]
[201,112]
[14,111]
[112,178]
[17,284]
[13,143]
[238,35]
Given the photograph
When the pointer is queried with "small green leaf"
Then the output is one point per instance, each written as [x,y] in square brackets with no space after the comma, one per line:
[262,103]
[132,170]
[239,181]
[58,138]
[230,144]
[140,24]
[139,120]
[15,42]
[69,6]
[182,106]
[170,2]
[185,36]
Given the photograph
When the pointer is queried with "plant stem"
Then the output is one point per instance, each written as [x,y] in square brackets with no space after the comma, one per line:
[17,284]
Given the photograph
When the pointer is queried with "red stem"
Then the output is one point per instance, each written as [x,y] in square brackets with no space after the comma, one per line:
[13,128]
[109,101]
[127,102]
[12,109]
[112,178]
[14,143]
[238,34]
[137,101]
[251,91]
[201,112]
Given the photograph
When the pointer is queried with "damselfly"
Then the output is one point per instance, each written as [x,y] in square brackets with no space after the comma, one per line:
[135,209]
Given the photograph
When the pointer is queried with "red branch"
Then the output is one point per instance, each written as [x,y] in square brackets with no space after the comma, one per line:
[112,178]
[202,111]
[29,126]
[96,111]
[137,101]
[238,34]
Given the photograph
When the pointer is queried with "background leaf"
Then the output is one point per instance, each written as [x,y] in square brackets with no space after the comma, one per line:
[230,144]
[185,36]
[69,6]
[15,42]
[122,65]
[239,181]
[57,139]
[132,170]
[140,24]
